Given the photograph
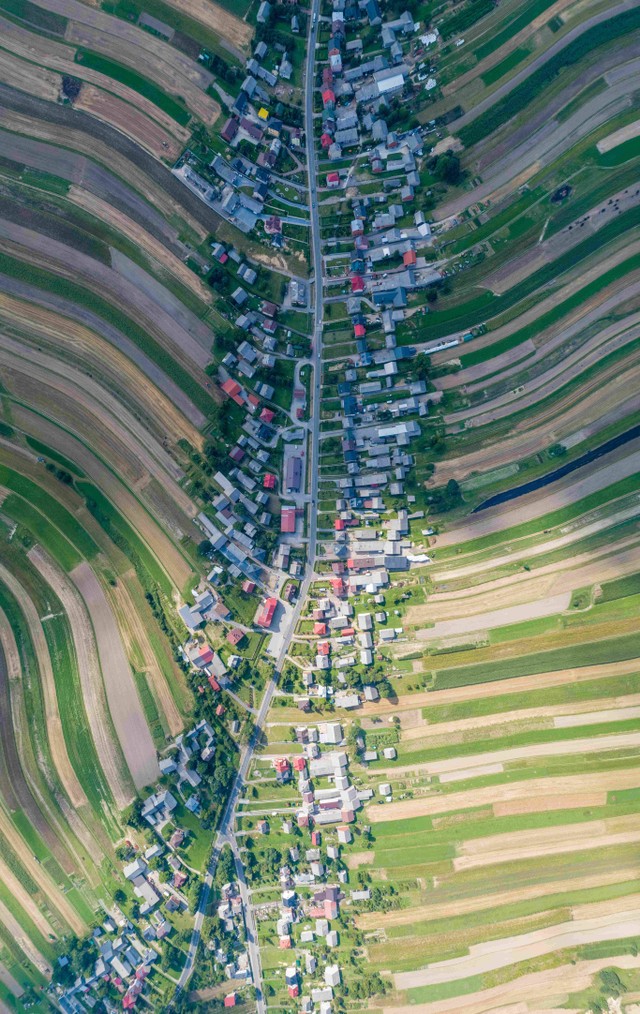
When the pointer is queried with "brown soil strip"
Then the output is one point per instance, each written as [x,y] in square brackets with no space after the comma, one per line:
[131,121]
[91,679]
[16,931]
[517,845]
[544,988]
[618,137]
[124,704]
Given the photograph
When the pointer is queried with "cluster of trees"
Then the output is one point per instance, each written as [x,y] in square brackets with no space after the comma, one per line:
[61,474]
[446,168]
[447,498]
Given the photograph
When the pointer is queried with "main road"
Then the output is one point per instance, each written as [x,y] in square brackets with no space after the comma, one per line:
[225,834]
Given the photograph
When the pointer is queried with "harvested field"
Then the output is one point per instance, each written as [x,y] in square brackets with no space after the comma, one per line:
[167,261]
[57,901]
[37,81]
[140,128]
[142,308]
[66,128]
[173,72]
[125,707]
[465,906]
[16,790]
[53,318]
[221,21]
[59,57]
[91,677]
[541,989]
[494,795]
[26,902]
[16,932]
[619,137]
[505,848]
[499,953]
[134,630]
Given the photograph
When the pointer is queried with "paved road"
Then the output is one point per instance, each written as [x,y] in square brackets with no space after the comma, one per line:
[225,834]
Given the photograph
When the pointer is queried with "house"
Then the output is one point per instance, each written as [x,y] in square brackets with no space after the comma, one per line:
[231,999]
[288,520]
[266,613]
[235,636]
[333,179]
[264,12]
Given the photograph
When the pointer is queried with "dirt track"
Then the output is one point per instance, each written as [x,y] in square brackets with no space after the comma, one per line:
[91,680]
[124,704]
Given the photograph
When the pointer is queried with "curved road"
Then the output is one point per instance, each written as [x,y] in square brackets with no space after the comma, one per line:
[225,834]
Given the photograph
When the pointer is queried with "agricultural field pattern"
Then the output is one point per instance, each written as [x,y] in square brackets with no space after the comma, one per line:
[320,506]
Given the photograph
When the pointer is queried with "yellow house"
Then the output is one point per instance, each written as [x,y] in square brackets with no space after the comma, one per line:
[263,113]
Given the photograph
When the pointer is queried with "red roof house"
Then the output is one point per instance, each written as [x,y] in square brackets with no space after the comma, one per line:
[213,683]
[326,140]
[232,389]
[333,179]
[235,636]
[324,648]
[269,481]
[288,520]
[409,258]
[267,415]
[231,999]
[220,710]
[265,615]
[357,284]
[299,763]
[249,586]
[359,330]
[320,629]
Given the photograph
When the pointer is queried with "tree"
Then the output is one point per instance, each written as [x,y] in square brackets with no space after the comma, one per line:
[447,168]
